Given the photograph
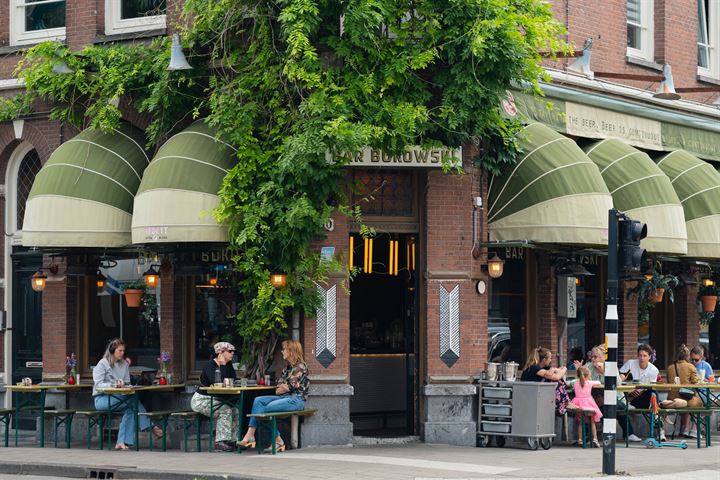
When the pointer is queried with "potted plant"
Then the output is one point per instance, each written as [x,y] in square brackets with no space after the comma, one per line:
[650,290]
[708,295]
[706,317]
[133,292]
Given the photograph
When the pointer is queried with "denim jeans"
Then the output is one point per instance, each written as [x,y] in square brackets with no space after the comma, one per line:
[276,403]
[126,432]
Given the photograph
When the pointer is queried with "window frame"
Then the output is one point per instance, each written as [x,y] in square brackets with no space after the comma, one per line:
[18,34]
[713,24]
[647,32]
[115,25]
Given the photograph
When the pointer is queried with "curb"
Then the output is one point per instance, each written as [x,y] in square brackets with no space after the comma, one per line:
[117,472]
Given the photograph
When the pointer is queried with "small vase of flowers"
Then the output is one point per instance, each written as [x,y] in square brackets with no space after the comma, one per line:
[70,364]
[164,360]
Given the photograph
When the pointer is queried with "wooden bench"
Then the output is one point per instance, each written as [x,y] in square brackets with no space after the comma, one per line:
[585,416]
[5,414]
[95,418]
[698,415]
[62,417]
[189,418]
[272,417]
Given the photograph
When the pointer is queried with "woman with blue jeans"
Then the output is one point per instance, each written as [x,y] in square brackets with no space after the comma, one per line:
[290,394]
[111,370]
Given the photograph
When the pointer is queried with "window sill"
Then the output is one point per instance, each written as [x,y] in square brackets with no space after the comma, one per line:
[19,48]
[641,62]
[710,80]
[120,37]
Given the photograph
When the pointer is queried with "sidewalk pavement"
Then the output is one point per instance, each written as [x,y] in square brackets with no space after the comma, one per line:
[416,461]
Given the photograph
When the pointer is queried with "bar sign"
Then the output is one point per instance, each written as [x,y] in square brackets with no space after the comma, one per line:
[33,364]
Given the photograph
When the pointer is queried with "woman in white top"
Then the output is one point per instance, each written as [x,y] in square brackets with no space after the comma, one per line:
[111,370]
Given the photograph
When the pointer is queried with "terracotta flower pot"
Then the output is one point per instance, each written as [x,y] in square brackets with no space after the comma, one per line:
[656,296]
[708,303]
[133,297]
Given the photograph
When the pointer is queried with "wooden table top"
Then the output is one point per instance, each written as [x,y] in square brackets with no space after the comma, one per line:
[39,386]
[140,388]
[628,387]
[234,390]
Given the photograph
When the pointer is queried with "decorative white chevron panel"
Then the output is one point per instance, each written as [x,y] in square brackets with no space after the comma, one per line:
[449,325]
[326,326]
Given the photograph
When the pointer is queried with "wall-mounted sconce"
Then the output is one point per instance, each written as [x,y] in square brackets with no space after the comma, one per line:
[177,57]
[151,277]
[495,266]
[278,280]
[38,280]
[100,281]
[708,282]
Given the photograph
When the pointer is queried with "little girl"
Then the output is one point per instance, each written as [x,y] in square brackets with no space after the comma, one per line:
[584,400]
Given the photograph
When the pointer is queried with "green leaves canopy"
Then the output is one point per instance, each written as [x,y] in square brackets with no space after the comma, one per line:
[287,80]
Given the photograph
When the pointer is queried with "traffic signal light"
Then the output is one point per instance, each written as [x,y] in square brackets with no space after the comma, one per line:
[630,255]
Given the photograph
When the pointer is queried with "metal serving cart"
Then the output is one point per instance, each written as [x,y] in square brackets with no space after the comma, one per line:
[516,410]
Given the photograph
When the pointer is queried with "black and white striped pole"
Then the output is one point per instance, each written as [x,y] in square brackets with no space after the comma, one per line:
[611,341]
[625,258]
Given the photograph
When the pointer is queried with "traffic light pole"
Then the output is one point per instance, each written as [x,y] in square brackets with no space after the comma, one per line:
[611,341]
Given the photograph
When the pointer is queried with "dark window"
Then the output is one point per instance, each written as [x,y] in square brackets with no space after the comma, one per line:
[48,14]
[141,8]
[507,315]
[384,193]
[29,168]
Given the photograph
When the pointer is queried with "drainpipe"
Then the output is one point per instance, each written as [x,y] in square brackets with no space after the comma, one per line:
[296,324]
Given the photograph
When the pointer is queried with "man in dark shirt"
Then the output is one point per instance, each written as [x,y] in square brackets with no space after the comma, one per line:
[226,418]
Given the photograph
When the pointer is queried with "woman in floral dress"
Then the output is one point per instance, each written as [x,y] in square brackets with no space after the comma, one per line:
[290,394]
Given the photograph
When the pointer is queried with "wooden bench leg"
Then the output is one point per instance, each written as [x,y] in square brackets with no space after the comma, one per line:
[294,426]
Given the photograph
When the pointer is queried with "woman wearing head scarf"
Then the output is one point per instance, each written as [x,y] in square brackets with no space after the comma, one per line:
[226,418]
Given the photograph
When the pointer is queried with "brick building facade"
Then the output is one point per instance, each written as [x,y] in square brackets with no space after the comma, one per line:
[445,347]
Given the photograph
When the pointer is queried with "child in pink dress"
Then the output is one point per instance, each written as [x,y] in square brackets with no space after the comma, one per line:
[584,400]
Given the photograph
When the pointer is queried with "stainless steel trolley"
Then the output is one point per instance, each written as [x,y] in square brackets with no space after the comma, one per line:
[516,410]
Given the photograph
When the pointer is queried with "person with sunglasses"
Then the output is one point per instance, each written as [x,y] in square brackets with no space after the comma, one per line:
[704,370]
[226,418]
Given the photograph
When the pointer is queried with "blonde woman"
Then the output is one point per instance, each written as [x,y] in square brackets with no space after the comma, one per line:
[539,369]
[290,394]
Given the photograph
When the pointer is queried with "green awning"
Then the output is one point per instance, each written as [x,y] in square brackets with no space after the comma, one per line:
[641,190]
[697,184]
[83,196]
[554,194]
[180,189]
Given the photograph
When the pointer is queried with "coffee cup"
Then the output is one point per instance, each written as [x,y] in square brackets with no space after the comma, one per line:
[227,382]
[677,380]
[119,383]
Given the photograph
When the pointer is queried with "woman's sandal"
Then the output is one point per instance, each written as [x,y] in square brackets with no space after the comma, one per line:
[279,446]
[121,446]
[157,432]
[595,443]
[246,443]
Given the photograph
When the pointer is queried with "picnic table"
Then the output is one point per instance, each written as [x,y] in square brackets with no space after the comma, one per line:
[130,395]
[32,397]
[694,412]
[233,397]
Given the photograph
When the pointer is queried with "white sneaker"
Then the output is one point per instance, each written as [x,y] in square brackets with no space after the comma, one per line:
[692,434]
[663,438]
[634,438]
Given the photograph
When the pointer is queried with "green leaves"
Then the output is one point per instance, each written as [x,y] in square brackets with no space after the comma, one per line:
[286,81]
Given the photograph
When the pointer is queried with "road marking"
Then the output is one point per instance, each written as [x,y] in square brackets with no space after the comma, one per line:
[395,461]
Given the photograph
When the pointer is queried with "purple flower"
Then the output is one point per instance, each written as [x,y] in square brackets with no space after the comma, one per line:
[165,356]
[653,356]
[70,361]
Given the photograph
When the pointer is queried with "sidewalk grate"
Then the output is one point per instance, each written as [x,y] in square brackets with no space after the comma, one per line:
[101,474]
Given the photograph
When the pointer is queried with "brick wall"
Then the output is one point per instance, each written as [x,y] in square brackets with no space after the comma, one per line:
[548,327]
[337,238]
[675,32]
[59,320]
[449,262]
[171,324]
[687,325]
[628,327]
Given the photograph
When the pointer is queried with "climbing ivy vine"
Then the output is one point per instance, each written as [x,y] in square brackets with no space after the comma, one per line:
[286,81]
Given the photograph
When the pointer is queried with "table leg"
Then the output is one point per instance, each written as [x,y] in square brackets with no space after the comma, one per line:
[42,418]
[109,421]
[212,412]
[241,415]
[136,408]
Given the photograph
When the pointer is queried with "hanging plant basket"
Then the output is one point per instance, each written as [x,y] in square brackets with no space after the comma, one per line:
[133,297]
[708,303]
[656,296]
